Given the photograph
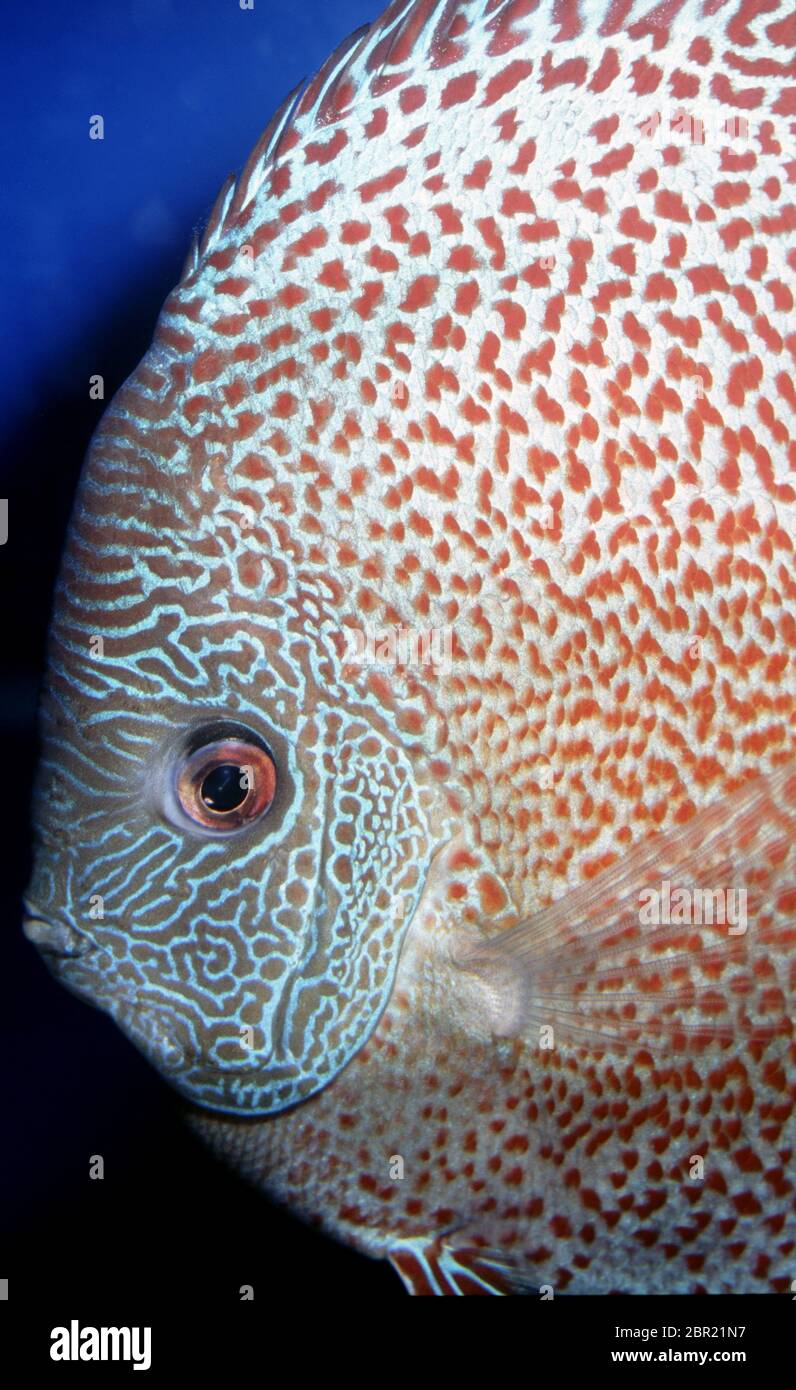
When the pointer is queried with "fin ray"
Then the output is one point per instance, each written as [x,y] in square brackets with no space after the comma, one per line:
[597,970]
[430,1265]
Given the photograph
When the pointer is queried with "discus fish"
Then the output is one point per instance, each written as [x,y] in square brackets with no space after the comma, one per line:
[418,785]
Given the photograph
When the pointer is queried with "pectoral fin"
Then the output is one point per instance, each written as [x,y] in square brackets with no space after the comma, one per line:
[598,969]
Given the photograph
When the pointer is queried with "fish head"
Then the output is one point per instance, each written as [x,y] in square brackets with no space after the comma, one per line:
[232,825]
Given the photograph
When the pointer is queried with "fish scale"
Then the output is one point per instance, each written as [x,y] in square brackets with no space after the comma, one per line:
[477,344]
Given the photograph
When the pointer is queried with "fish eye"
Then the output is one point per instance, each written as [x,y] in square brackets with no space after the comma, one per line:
[225,784]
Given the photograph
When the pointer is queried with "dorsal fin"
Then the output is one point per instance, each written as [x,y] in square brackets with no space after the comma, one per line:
[405,28]
[409,37]
[236,190]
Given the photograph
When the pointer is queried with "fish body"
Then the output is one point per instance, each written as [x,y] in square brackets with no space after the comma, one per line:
[488,350]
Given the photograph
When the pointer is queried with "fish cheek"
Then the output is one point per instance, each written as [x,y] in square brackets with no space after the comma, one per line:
[339,892]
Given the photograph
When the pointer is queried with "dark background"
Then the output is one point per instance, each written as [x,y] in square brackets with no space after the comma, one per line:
[93,238]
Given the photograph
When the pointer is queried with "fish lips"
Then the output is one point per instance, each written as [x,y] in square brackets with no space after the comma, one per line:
[56,941]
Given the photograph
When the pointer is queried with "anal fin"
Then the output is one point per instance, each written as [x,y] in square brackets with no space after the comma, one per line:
[431,1266]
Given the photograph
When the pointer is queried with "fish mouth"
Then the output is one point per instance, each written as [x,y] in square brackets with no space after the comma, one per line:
[56,939]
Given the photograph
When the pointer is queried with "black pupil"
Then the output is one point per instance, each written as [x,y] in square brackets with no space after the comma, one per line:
[222,790]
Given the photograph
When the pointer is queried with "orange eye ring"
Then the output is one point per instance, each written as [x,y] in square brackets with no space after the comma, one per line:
[226,785]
